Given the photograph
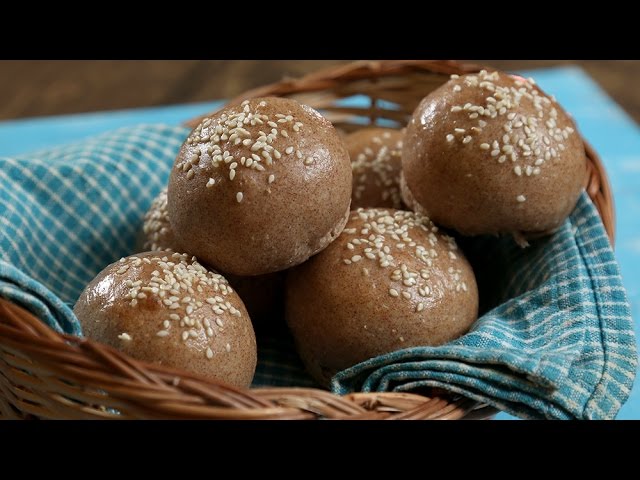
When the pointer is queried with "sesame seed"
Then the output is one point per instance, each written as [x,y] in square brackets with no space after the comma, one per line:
[227,347]
[272,178]
[211,183]
[125,337]
[209,353]
[232,174]
[162,333]
[450,138]
[517,170]
[420,307]
[393,292]
[467,139]
[239,197]
[485,146]
[521,198]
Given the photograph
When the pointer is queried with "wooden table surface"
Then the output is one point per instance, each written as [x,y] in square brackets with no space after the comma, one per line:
[35,88]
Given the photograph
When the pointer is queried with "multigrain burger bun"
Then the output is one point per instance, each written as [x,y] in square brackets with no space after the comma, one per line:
[262,295]
[390,281]
[166,308]
[490,153]
[376,162]
[157,231]
[260,187]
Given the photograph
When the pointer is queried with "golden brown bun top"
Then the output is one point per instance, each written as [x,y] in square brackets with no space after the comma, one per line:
[491,153]
[166,308]
[257,187]
[376,162]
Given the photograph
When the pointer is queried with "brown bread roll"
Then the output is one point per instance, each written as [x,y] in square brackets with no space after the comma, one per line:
[490,153]
[376,162]
[166,308]
[260,187]
[390,281]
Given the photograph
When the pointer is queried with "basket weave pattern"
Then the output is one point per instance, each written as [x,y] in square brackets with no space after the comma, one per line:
[47,375]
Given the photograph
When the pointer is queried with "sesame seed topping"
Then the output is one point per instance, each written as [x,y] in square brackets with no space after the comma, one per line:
[383,233]
[521,198]
[125,337]
[176,277]
[239,197]
[524,137]
[243,131]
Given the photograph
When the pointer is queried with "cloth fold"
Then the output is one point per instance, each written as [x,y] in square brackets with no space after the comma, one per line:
[559,343]
[555,339]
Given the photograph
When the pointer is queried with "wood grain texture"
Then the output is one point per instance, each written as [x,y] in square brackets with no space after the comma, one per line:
[50,87]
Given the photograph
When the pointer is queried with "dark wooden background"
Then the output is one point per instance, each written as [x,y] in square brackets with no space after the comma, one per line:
[34,88]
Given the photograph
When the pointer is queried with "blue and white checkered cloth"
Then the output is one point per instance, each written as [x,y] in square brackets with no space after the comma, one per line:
[558,344]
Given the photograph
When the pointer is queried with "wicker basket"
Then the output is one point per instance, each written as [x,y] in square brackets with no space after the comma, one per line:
[47,375]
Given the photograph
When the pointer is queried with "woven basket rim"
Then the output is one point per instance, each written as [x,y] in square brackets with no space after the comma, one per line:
[44,374]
